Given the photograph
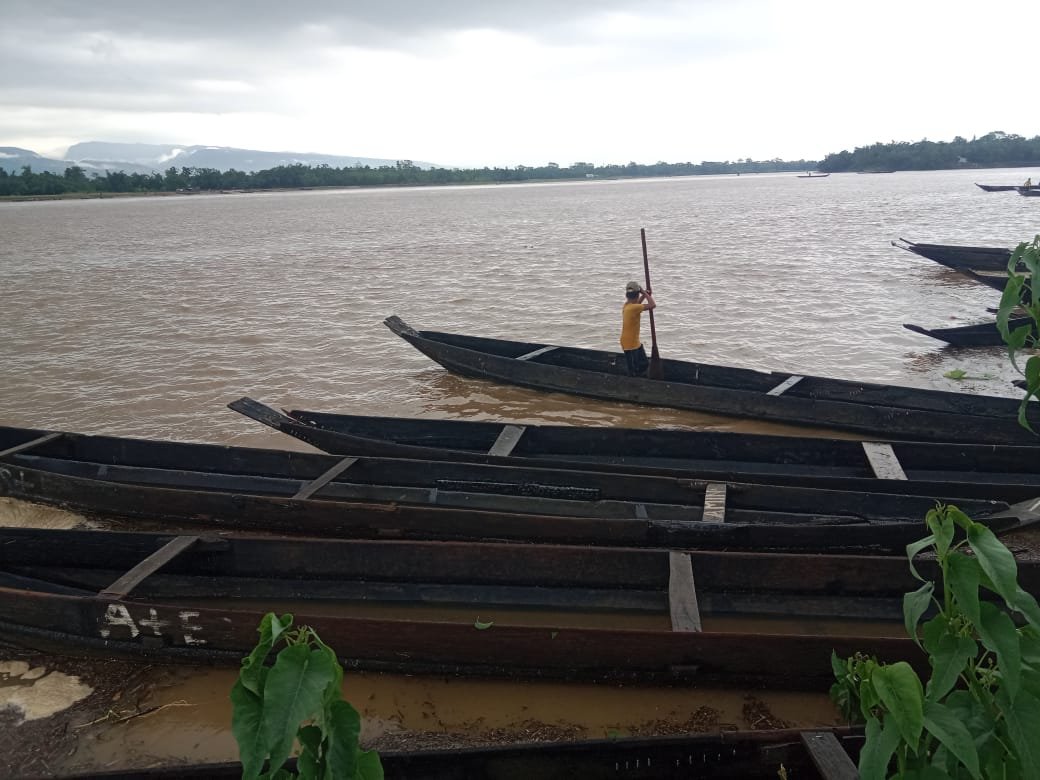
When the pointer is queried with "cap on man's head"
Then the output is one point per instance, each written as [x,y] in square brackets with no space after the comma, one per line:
[633,287]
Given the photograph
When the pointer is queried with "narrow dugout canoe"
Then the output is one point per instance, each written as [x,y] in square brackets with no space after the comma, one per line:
[957,257]
[238,488]
[984,334]
[817,754]
[500,610]
[887,411]
[982,471]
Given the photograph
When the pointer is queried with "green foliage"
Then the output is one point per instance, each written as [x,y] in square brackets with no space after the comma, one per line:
[1021,291]
[996,149]
[978,715]
[297,699]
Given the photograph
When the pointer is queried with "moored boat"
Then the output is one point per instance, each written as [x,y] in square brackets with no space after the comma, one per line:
[1002,473]
[958,257]
[245,489]
[501,610]
[981,335]
[813,754]
[886,411]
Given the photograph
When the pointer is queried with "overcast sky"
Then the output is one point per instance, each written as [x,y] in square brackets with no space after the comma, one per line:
[503,82]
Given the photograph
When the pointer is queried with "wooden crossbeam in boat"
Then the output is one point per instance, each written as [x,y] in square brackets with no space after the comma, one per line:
[682,595]
[830,758]
[883,460]
[714,503]
[536,353]
[507,440]
[314,486]
[30,444]
[641,512]
[148,566]
[786,385]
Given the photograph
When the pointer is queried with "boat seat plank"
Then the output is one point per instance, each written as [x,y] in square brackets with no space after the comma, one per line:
[314,486]
[30,444]
[122,587]
[507,440]
[883,460]
[537,352]
[714,503]
[786,385]
[682,595]
[829,757]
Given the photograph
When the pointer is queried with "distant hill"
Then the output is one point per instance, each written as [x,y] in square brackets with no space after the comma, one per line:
[101,156]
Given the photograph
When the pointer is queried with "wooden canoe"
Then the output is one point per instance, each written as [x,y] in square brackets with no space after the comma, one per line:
[816,754]
[982,335]
[242,489]
[957,257]
[996,187]
[502,610]
[887,411]
[1029,192]
[983,471]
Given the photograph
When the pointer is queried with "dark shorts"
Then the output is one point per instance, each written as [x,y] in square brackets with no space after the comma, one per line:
[637,361]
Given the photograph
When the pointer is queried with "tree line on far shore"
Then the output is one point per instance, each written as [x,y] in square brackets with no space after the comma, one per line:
[993,150]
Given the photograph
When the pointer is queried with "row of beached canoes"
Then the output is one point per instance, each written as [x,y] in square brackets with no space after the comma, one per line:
[672,556]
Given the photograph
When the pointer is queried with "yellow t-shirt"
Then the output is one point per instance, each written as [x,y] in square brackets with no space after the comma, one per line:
[630,325]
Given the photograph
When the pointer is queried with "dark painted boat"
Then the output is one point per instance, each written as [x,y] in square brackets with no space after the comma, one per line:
[983,471]
[982,335]
[957,257]
[886,411]
[501,610]
[817,754]
[238,488]
[813,175]
[997,187]
[1029,192]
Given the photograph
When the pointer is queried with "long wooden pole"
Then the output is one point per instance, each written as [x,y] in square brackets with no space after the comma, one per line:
[656,370]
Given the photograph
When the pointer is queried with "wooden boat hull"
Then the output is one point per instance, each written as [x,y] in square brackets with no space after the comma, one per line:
[236,488]
[981,335]
[723,618]
[978,258]
[727,754]
[879,410]
[975,471]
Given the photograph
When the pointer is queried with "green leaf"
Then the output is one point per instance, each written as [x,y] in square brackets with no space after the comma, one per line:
[1022,718]
[838,666]
[900,690]
[344,729]
[914,605]
[998,634]
[962,578]
[956,373]
[1026,604]
[949,657]
[247,726]
[945,726]
[480,626]
[914,548]
[369,766]
[293,693]
[996,560]
[940,523]
[877,751]
[308,765]
[253,670]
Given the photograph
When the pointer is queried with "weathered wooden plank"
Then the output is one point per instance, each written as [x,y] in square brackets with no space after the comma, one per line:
[883,460]
[641,511]
[315,485]
[537,352]
[507,440]
[714,503]
[830,758]
[682,595]
[30,444]
[786,385]
[121,587]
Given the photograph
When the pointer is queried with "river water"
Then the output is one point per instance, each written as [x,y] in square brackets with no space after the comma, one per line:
[145,316]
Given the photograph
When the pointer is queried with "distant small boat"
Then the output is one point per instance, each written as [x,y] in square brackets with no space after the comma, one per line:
[1006,187]
[813,175]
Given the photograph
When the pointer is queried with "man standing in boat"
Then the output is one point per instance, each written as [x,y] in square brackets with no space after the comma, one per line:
[637,300]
